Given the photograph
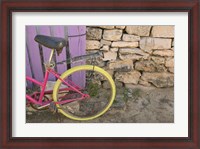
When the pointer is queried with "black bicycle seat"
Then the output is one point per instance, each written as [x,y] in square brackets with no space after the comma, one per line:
[51,42]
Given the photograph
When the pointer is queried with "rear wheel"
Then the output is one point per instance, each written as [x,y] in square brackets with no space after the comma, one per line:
[91,80]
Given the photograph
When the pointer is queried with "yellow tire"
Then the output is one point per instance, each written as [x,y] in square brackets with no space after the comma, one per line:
[94,87]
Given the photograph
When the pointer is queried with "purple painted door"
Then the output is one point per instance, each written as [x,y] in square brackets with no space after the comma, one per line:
[36,54]
[77,41]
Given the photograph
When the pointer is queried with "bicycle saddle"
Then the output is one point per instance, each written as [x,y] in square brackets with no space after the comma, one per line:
[51,42]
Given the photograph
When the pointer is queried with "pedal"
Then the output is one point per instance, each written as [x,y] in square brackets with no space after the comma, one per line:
[53,108]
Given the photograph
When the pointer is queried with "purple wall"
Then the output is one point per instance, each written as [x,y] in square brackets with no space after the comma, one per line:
[36,55]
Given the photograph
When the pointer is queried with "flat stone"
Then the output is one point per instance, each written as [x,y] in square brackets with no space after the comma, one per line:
[112,35]
[120,27]
[163,52]
[125,65]
[158,59]
[73,107]
[98,61]
[159,79]
[114,49]
[124,44]
[136,51]
[92,45]
[127,37]
[132,57]
[107,27]
[171,69]
[149,43]
[140,30]
[50,86]
[160,68]
[105,48]
[148,66]
[93,33]
[110,56]
[144,83]
[105,42]
[169,62]
[166,31]
[128,77]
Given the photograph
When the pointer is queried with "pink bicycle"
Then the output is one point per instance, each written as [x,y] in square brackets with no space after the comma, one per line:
[78,100]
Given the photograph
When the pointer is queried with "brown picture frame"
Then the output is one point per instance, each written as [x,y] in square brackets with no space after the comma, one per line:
[9,6]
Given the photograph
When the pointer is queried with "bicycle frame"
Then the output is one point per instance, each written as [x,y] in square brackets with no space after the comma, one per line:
[49,70]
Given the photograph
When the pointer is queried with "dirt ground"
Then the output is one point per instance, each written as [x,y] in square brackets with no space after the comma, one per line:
[136,104]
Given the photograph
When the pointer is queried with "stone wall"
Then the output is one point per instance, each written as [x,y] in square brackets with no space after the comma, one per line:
[135,54]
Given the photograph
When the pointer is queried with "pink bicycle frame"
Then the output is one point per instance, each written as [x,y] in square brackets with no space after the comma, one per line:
[73,87]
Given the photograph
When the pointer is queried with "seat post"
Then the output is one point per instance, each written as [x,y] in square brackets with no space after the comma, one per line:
[51,55]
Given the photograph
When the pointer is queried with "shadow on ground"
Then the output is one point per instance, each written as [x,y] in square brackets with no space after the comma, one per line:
[137,104]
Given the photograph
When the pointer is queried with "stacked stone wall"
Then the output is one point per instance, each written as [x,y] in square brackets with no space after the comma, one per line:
[135,54]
